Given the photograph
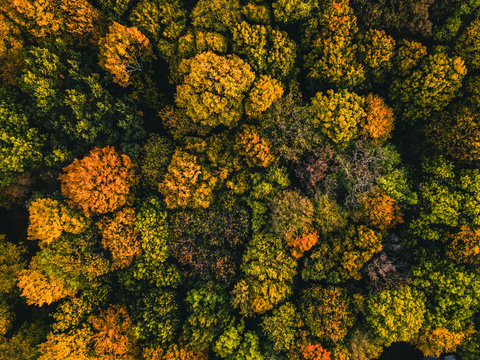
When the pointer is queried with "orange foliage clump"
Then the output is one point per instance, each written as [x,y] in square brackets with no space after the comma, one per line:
[119,236]
[464,246]
[377,124]
[113,337]
[121,52]
[39,288]
[253,148]
[82,21]
[303,243]
[441,340]
[44,220]
[315,352]
[380,210]
[174,352]
[100,182]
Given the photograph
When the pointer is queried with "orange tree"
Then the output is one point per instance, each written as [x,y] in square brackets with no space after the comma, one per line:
[99,183]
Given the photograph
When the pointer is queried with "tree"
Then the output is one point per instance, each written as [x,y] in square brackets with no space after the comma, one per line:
[156,316]
[115,9]
[64,346]
[156,155]
[451,293]
[267,50]
[187,183]
[122,52]
[378,122]
[456,133]
[44,220]
[120,237]
[376,50]
[281,326]
[213,88]
[303,243]
[315,352]
[291,11]
[437,81]
[209,313]
[162,21]
[440,341]
[11,264]
[327,312]
[264,93]
[252,146]
[216,15]
[39,288]
[380,210]
[329,50]
[20,145]
[99,183]
[292,215]
[395,314]
[268,272]
[407,56]
[463,246]
[342,256]
[113,337]
[337,115]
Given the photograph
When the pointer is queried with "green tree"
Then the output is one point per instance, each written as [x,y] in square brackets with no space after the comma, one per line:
[429,88]
[281,327]
[268,272]
[395,314]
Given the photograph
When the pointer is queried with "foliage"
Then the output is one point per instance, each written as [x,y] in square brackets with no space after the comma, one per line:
[280,327]
[429,88]
[376,50]
[380,210]
[252,147]
[292,215]
[11,264]
[156,155]
[268,272]
[20,145]
[378,122]
[163,22]
[267,50]
[315,352]
[213,88]
[155,316]
[451,292]
[100,182]
[291,11]
[122,52]
[440,341]
[337,115]
[217,15]
[463,246]
[187,183]
[407,56]
[264,93]
[395,314]
[120,238]
[327,312]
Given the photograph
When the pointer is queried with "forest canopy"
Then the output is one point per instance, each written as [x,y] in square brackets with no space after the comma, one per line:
[239,179]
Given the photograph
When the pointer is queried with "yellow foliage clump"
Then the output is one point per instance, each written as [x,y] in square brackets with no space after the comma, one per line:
[264,93]
[378,122]
[39,288]
[44,220]
[187,183]
[174,352]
